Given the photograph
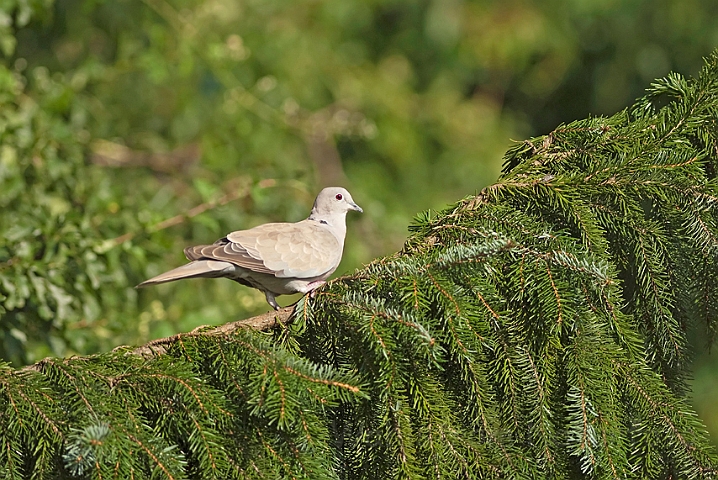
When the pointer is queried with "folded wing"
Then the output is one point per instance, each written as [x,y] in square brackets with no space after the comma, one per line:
[286,250]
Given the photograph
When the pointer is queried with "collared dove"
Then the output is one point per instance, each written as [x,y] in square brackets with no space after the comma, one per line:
[276,258]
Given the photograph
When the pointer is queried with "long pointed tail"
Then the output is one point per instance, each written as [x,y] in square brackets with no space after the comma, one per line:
[198,268]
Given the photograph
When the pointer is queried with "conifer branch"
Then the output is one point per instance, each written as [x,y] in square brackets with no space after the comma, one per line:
[263,322]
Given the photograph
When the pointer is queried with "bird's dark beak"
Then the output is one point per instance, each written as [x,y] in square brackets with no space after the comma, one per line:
[356,207]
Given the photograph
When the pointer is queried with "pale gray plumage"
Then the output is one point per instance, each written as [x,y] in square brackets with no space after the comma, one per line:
[276,258]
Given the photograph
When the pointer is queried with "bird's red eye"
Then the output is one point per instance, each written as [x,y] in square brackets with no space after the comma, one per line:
[339,196]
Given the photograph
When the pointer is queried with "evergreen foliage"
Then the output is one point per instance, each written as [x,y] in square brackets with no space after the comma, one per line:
[55,230]
[535,330]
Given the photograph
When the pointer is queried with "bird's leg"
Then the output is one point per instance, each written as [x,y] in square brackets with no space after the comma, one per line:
[270,300]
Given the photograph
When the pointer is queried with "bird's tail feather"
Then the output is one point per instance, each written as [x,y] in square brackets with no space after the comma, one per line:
[198,268]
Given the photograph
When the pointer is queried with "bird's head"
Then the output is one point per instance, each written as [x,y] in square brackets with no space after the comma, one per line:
[333,201]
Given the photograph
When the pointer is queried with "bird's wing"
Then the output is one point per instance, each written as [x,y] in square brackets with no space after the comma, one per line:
[286,250]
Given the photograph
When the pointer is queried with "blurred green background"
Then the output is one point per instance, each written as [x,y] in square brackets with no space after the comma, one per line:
[130,129]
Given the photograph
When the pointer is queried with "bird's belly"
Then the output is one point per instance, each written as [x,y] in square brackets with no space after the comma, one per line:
[276,285]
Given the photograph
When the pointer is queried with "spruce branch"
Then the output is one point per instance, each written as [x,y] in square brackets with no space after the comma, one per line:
[160,346]
[262,322]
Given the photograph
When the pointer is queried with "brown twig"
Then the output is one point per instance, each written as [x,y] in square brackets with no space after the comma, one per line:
[114,155]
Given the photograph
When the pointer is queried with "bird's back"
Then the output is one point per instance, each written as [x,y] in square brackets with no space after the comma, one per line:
[305,249]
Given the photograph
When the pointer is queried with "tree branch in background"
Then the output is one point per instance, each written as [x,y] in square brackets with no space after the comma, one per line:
[111,154]
[193,212]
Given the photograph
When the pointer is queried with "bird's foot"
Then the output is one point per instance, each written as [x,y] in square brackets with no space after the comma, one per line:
[311,287]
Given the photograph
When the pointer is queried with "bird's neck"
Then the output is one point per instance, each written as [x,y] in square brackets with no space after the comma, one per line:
[336,224]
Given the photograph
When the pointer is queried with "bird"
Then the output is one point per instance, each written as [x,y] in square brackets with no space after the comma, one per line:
[275,258]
